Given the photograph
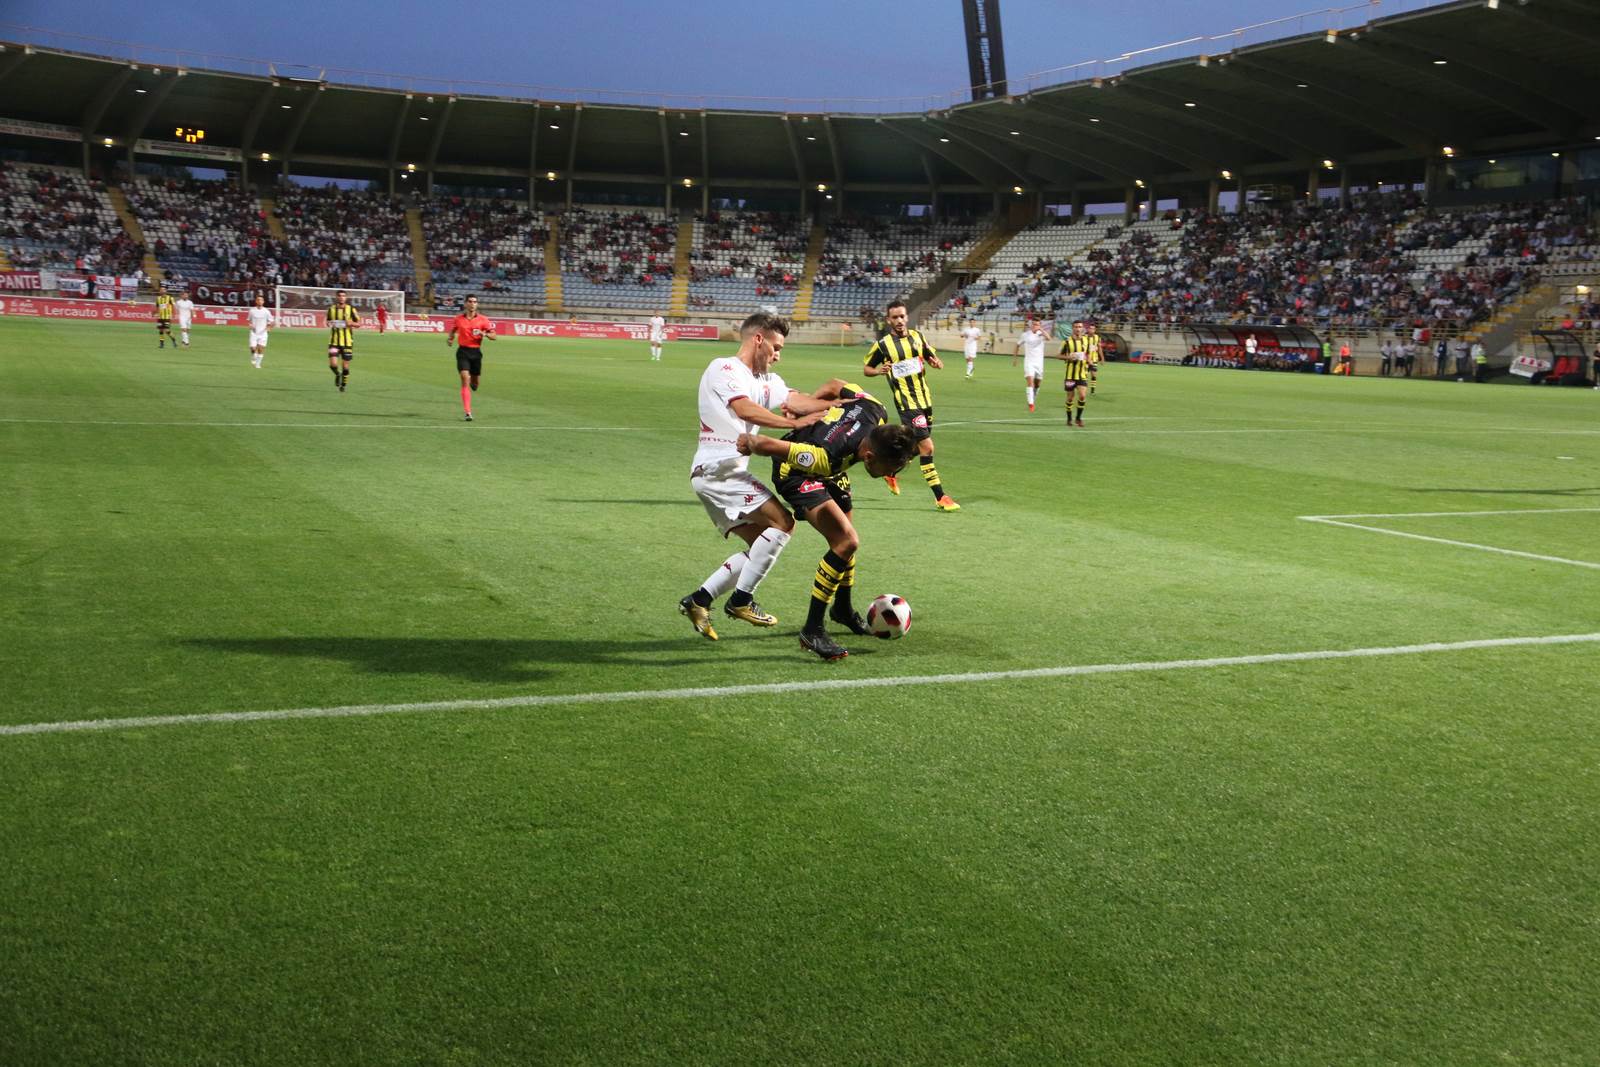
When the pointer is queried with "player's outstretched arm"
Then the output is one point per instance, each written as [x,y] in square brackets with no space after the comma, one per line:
[748,410]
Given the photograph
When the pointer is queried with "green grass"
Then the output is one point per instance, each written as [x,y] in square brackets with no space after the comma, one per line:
[1385,860]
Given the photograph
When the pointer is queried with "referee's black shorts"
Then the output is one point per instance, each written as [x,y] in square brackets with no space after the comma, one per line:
[470,360]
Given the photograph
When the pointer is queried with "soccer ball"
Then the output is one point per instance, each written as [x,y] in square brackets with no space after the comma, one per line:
[889,617]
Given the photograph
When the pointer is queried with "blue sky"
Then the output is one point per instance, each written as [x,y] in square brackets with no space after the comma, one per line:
[815,49]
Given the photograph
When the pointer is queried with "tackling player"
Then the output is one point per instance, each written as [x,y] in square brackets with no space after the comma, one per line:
[185,310]
[658,335]
[260,322]
[969,344]
[737,395]
[900,355]
[163,318]
[468,331]
[1075,353]
[342,322]
[809,469]
[1032,348]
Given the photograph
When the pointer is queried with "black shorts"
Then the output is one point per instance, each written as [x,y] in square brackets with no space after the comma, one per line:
[470,360]
[163,325]
[802,492]
[1073,383]
[343,352]
[919,420]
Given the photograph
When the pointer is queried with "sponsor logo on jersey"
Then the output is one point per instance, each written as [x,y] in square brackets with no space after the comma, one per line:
[920,421]
[806,459]
[811,485]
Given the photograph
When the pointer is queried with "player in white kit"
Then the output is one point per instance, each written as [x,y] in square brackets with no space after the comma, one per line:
[970,334]
[658,334]
[260,322]
[739,395]
[1032,348]
[185,308]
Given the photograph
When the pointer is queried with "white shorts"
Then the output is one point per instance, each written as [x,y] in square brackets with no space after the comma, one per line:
[1032,368]
[183,324]
[971,353]
[728,500]
[258,340]
[657,339]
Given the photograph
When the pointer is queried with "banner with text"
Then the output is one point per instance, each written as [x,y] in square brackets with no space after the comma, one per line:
[228,315]
[15,280]
[228,294]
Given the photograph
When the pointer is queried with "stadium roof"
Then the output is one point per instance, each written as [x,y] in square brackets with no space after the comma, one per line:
[1479,76]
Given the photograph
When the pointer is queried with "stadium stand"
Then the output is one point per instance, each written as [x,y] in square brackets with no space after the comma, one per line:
[205,231]
[344,237]
[494,248]
[53,217]
[743,260]
[617,259]
[1381,261]
[868,261]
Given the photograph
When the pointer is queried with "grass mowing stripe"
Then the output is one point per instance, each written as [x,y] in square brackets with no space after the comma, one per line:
[355,710]
[311,425]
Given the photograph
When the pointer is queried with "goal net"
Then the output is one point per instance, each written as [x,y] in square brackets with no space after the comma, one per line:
[310,303]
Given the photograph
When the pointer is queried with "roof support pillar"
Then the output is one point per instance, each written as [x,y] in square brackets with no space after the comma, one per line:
[438,139]
[1130,205]
[1344,186]
[533,162]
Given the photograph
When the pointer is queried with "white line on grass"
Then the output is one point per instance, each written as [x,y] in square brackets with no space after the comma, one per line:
[811,686]
[1334,520]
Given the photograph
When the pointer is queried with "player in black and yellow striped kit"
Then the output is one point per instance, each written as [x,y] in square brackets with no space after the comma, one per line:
[1075,352]
[902,356]
[164,306]
[809,470]
[342,322]
[1092,331]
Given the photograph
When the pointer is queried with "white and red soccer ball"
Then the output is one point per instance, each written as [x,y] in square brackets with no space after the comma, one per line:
[889,617]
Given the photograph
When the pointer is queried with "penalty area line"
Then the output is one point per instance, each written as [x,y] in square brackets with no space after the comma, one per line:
[769,688]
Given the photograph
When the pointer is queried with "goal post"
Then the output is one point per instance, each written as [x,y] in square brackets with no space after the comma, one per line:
[318,299]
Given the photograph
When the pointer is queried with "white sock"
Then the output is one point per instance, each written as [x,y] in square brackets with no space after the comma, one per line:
[185,336]
[1030,395]
[723,577]
[969,368]
[763,554]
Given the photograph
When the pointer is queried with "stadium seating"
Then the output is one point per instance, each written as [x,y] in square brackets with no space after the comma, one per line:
[1382,260]
[617,259]
[53,217]
[868,261]
[494,248]
[742,260]
[205,231]
[345,237]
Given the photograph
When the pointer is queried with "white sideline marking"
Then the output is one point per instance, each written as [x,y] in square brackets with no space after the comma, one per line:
[1334,520]
[718,692]
[316,425]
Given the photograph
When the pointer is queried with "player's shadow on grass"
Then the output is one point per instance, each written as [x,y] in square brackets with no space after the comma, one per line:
[499,659]
[1580,491]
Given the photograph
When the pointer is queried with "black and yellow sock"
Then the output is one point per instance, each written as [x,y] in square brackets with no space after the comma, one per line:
[847,583]
[829,573]
[930,474]
[346,379]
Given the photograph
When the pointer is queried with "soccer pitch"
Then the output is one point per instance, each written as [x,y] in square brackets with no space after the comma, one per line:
[1220,845]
